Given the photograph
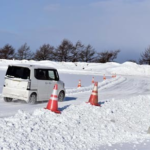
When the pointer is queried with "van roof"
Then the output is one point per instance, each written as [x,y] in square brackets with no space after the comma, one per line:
[32,66]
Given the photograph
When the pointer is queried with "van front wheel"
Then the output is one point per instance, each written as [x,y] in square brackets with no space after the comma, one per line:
[61,96]
[7,99]
[33,98]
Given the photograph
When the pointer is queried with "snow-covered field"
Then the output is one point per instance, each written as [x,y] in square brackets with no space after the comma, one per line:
[121,123]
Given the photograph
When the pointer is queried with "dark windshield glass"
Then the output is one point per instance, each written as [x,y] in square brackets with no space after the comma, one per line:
[18,72]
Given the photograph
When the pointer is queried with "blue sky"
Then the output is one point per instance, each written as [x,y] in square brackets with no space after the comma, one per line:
[105,24]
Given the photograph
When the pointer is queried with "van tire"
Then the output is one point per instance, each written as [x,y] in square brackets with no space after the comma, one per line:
[61,96]
[8,99]
[33,98]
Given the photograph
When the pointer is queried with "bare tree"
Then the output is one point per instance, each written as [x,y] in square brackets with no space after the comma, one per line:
[7,52]
[24,52]
[78,48]
[46,52]
[145,57]
[107,56]
[87,54]
[64,51]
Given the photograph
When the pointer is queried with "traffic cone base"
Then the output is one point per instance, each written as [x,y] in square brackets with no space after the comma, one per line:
[53,105]
[93,100]
[94,104]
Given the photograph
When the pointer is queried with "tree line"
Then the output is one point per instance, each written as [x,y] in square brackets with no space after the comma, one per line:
[66,51]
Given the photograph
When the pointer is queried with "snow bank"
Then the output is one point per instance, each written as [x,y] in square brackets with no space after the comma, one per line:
[79,127]
[101,85]
[127,68]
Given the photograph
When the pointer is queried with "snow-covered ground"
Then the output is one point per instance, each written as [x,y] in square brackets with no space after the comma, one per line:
[121,123]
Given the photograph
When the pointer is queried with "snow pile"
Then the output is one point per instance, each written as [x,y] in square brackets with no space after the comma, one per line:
[127,68]
[79,127]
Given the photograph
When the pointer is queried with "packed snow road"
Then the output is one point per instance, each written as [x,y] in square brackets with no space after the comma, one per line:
[121,87]
[8,109]
[132,86]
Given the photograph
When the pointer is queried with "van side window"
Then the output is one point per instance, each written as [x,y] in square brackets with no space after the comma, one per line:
[51,75]
[46,74]
[41,74]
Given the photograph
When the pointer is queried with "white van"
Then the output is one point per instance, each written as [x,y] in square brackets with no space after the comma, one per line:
[31,83]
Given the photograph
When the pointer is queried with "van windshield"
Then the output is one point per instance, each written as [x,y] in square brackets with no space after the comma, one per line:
[18,72]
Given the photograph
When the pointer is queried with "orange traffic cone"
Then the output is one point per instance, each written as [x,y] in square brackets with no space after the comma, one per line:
[53,101]
[93,100]
[79,84]
[92,80]
[104,78]
[112,75]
